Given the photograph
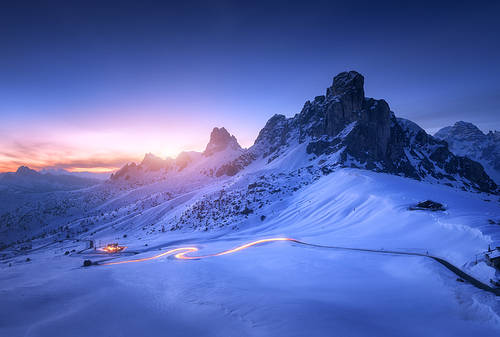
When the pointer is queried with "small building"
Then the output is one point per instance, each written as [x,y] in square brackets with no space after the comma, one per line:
[113,248]
[493,258]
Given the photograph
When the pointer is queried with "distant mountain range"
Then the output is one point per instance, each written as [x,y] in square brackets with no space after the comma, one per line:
[465,139]
[29,180]
[82,174]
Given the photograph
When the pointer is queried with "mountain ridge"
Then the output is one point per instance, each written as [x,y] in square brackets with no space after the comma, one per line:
[466,139]
[360,132]
[26,179]
[366,134]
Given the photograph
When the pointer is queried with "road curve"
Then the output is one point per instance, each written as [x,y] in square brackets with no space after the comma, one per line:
[182,253]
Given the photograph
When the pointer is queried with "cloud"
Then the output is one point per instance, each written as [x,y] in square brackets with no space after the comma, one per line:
[93,162]
[40,155]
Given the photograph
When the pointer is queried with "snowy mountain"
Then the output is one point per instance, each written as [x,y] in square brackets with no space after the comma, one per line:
[465,139]
[215,161]
[221,140]
[83,174]
[364,133]
[343,175]
[343,129]
[29,180]
[225,184]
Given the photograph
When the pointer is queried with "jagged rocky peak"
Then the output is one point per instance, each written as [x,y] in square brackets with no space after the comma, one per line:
[344,104]
[365,133]
[25,170]
[220,139]
[462,130]
[349,84]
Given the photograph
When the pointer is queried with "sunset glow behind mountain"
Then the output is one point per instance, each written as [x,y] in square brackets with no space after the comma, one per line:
[92,86]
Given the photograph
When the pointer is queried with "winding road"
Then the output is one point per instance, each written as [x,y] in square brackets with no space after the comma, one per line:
[182,253]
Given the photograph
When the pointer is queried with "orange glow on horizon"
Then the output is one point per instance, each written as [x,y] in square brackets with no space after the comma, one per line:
[101,148]
[93,169]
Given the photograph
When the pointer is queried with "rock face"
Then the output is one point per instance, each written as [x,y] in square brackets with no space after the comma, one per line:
[465,139]
[345,129]
[365,133]
[429,205]
[220,140]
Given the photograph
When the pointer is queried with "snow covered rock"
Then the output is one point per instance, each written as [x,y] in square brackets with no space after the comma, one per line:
[364,133]
[465,139]
[428,205]
[222,156]
[343,127]
[220,139]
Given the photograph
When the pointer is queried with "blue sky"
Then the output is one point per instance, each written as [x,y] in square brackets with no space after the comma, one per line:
[106,81]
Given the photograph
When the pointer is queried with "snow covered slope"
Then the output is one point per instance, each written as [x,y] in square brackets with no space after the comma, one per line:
[344,172]
[273,289]
[465,139]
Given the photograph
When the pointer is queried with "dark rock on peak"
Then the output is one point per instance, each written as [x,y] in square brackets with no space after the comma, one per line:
[350,82]
[272,136]
[366,134]
[428,205]
[25,170]
[236,165]
[220,140]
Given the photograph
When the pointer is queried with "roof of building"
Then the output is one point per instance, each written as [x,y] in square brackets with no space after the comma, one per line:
[494,254]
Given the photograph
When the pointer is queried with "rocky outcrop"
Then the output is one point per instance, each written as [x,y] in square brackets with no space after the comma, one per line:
[236,165]
[26,171]
[220,140]
[367,135]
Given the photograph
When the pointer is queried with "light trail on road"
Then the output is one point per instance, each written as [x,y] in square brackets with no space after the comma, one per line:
[181,253]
